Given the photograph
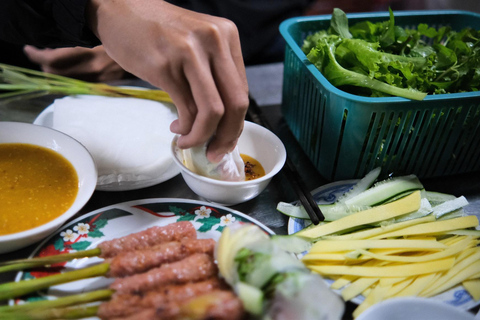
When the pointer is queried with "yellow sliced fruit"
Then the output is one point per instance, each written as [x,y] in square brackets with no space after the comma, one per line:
[405,270]
[324,246]
[387,211]
[434,227]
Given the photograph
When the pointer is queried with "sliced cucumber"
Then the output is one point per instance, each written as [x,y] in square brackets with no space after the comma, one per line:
[292,211]
[362,185]
[252,297]
[437,198]
[360,197]
[425,210]
[451,215]
[332,211]
[384,190]
[449,206]
[292,243]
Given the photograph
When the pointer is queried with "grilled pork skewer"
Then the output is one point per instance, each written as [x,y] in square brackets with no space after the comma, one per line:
[125,304]
[134,262]
[197,300]
[148,238]
[216,305]
[108,249]
[121,266]
[187,270]
[196,267]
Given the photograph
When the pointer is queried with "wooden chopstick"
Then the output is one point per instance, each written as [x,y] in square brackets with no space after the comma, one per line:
[304,195]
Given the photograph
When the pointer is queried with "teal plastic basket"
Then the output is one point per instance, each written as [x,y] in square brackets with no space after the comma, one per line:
[346,135]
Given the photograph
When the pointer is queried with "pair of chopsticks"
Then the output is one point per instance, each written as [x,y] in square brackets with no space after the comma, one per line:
[305,197]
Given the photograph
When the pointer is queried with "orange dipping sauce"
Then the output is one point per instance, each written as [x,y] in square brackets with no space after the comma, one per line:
[253,168]
[37,185]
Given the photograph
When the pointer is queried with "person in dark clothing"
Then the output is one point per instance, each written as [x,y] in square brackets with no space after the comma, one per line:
[257,22]
[192,53]
[195,57]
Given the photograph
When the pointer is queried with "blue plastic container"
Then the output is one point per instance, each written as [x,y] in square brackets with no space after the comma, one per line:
[346,135]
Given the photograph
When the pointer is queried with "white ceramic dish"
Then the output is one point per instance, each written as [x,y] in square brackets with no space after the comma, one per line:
[255,141]
[73,151]
[119,220]
[457,297]
[144,177]
[414,309]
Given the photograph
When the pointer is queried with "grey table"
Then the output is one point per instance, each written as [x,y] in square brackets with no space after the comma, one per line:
[265,83]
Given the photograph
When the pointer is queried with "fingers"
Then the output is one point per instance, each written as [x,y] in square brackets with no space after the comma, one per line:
[217,98]
[232,84]
[207,99]
[55,58]
[221,96]
[194,57]
[81,63]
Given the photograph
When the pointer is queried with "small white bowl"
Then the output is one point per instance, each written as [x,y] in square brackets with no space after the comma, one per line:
[255,141]
[73,151]
[414,308]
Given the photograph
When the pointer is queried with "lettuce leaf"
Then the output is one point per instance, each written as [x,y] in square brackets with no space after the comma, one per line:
[383,59]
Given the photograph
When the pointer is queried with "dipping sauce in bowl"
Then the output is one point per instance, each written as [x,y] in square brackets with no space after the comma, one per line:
[259,148]
[253,168]
[37,185]
[46,177]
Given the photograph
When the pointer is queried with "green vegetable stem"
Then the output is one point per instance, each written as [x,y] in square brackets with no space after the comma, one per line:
[384,59]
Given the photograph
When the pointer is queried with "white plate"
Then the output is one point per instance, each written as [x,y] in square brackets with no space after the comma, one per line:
[45,118]
[457,297]
[122,219]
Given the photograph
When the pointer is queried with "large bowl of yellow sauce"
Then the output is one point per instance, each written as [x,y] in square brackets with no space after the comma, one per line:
[46,177]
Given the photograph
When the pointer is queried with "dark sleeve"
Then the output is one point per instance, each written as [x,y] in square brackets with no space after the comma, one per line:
[257,22]
[45,23]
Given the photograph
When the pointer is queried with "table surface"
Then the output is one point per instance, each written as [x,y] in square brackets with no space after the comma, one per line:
[265,82]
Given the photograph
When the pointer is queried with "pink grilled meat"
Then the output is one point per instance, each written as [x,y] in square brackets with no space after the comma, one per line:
[197,267]
[215,305]
[138,261]
[126,304]
[148,238]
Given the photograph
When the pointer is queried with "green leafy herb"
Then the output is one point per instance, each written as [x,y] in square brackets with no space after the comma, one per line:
[384,59]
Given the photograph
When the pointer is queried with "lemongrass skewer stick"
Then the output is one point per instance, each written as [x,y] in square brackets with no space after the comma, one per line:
[67,301]
[20,288]
[78,312]
[140,240]
[22,264]
[184,269]
[27,80]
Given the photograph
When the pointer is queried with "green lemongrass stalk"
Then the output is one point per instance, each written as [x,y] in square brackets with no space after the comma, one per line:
[22,264]
[16,289]
[21,82]
[50,314]
[68,301]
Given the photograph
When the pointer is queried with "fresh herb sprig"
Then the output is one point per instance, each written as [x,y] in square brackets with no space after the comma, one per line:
[384,59]
[17,82]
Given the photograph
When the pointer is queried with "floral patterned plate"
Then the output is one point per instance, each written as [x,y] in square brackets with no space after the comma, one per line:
[457,297]
[117,221]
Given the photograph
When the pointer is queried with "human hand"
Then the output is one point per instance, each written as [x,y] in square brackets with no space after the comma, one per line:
[194,57]
[81,63]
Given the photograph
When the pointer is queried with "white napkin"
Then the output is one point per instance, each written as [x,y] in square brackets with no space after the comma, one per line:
[128,138]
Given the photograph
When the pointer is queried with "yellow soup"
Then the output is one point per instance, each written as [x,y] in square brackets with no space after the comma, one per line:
[253,168]
[36,186]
